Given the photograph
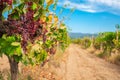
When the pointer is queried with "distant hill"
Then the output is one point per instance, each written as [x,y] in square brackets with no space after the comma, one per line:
[81,35]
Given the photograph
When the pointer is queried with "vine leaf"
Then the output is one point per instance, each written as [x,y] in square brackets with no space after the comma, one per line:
[15,44]
[49,2]
[34,6]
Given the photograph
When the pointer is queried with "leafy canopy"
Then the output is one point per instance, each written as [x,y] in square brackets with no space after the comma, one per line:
[30,32]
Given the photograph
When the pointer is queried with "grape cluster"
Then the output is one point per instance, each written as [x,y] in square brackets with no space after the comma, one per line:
[26,26]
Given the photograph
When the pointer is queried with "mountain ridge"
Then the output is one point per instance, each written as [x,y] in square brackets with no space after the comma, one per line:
[81,35]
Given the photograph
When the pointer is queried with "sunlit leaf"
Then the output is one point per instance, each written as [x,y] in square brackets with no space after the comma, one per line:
[36,15]
[15,44]
[34,6]
[49,2]
[55,19]
[36,47]
[50,17]
[43,18]
[24,10]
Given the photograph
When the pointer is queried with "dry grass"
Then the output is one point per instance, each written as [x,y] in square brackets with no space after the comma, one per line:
[36,72]
[4,74]
[91,50]
[115,58]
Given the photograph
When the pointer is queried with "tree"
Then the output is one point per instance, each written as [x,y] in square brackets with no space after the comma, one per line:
[29,34]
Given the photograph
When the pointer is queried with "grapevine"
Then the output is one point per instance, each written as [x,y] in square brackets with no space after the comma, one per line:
[30,33]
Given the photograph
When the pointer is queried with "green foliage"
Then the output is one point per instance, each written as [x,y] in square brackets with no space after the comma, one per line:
[117,42]
[10,45]
[37,51]
[50,35]
[63,37]
[86,42]
[106,39]
[34,6]
[106,42]
[47,32]
[76,41]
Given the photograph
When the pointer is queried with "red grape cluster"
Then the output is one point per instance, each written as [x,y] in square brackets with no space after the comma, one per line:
[26,26]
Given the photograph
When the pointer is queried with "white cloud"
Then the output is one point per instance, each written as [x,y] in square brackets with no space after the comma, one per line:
[82,7]
[112,6]
[110,3]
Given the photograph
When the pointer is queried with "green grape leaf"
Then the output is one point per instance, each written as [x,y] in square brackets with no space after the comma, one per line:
[15,15]
[36,15]
[18,51]
[24,10]
[43,55]
[18,58]
[21,6]
[41,2]
[15,44]
[47,19]
[34,6]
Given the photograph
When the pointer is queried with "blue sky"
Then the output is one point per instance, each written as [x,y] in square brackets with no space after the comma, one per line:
[91,16]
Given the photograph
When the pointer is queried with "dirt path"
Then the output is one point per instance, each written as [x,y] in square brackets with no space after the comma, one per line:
[4,63]
[78,64]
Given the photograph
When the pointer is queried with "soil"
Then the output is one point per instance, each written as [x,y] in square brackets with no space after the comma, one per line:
[78,64]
